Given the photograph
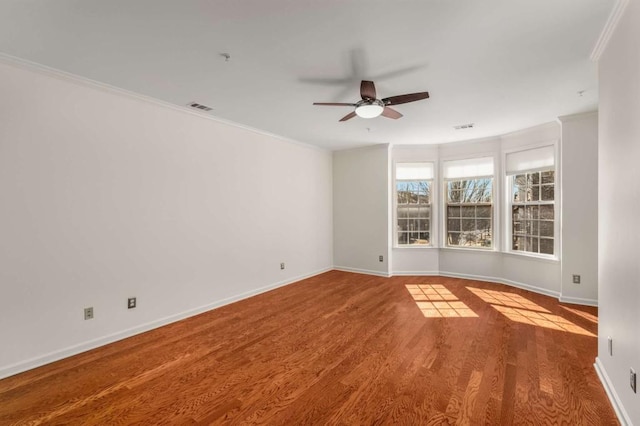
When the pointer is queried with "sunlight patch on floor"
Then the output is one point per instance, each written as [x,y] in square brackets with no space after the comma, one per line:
[585,315]
[518,308]
[435,301]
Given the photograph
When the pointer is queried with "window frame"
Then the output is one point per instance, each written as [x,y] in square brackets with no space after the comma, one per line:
[445,207]
[432,193]
[509,203]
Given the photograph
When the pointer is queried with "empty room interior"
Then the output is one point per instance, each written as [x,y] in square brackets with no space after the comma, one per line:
[304,212]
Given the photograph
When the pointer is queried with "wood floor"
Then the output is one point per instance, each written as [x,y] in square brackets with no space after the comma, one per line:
[338,348]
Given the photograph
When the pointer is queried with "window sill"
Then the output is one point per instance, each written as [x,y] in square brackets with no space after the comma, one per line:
[415,247]
[470,250]
[532,256]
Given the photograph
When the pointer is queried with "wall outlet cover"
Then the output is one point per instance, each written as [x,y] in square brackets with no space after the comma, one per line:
[88,313]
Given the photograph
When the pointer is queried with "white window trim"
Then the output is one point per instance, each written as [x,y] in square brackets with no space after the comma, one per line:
[506,212]
[433,215]
[495,195]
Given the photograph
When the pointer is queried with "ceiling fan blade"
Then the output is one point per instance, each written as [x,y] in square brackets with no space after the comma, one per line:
[348,116]
[391,113]
[367,90]
[334,104]
[403,99]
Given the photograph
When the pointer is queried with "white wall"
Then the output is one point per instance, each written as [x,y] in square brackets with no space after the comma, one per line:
[361,209]
[618,207]
[107,196]
[580,207]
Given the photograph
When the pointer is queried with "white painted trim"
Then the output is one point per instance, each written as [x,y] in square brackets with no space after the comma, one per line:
[578,116]
[609,28]
[415,273]
[362,271]
[38,361]
[611,393]
[510,283]
[578,301]
[87,82]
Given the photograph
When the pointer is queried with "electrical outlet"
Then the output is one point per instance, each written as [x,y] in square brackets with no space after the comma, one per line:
[282,265]
[131,302]
[632,380]
[88,313]
[610,345]
[576,279]
[381,258]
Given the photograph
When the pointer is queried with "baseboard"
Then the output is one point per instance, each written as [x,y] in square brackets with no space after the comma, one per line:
[416,273]
[611,393]
[579,301]
[528,287]
[362,271]
[39,361]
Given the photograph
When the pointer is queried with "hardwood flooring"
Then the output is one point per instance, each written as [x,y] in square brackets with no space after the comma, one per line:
[338,348]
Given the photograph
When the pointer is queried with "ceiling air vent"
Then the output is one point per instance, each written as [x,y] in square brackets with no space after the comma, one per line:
[464,126]
[199,106]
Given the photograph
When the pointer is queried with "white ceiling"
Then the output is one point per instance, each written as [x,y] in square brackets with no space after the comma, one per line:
[502,64]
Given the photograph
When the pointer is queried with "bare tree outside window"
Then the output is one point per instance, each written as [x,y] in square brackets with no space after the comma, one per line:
[469,212]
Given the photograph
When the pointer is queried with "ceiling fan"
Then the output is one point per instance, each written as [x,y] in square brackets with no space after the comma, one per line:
[370,106]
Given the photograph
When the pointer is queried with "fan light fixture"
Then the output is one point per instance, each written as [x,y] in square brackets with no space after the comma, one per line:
[370,109]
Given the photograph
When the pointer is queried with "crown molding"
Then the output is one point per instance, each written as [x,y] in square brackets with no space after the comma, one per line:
[94,84]
[609,28]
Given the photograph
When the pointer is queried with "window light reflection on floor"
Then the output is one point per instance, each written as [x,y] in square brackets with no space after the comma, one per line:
[435,301]
[585,315]
[519,309]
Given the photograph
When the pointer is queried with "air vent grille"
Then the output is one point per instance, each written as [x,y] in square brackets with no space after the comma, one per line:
[464,126]
[199,106]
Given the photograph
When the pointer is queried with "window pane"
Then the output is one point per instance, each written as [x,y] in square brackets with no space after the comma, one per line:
[423,238]
[413,238]
[534,227]
[547,192]
[548,177]
[468,211]
[546,245]
[535,193]
[483,211]
[535,178]
[518,243]
[422,211]
[453,225]
[455,196]
[546,228]
[453,211]
[546,212]
[484,225]
[402,238]
[468,224]
[453,238]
